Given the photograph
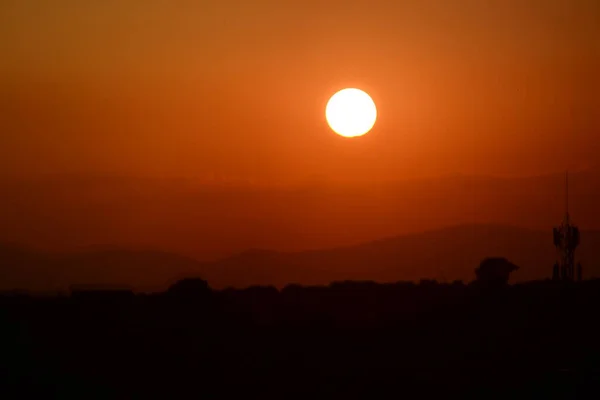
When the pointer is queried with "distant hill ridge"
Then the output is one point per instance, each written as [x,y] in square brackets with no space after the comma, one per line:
[446,254]
[210,222]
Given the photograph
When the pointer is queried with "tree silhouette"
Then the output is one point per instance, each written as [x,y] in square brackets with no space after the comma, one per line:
[494,271]
[189,288]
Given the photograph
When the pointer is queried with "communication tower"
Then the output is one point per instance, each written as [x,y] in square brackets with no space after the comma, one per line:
[566,240]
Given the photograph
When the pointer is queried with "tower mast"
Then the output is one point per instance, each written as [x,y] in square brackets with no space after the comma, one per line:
[566,240]
[567,196]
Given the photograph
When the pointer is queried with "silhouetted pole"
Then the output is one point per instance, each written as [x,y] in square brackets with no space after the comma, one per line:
[556,272]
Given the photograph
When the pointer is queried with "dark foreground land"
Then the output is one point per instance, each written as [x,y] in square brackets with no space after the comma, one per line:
[346,340]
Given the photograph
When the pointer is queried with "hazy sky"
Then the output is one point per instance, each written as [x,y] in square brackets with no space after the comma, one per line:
[236,89]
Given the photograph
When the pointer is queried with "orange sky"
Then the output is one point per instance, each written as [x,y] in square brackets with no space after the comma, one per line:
[236,89]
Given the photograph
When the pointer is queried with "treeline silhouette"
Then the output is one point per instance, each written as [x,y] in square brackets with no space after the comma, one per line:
[344,340]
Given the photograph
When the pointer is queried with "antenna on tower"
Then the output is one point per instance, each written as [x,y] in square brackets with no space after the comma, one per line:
[567,191]
[567,196]
[566,240]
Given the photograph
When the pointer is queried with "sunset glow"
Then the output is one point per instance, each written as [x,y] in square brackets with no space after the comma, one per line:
[351,112]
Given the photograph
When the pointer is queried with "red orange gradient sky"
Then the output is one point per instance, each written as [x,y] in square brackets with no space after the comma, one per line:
[237,89]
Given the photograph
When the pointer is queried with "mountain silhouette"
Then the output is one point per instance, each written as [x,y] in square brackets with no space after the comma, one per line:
[147,270]
[446,254]
[209,221]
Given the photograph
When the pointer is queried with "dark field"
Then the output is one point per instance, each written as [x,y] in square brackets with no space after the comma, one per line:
[345,340]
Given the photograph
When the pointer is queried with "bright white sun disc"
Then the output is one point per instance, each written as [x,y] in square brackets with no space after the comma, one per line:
[351,112]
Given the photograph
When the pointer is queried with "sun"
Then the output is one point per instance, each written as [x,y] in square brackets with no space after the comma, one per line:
[351,112]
